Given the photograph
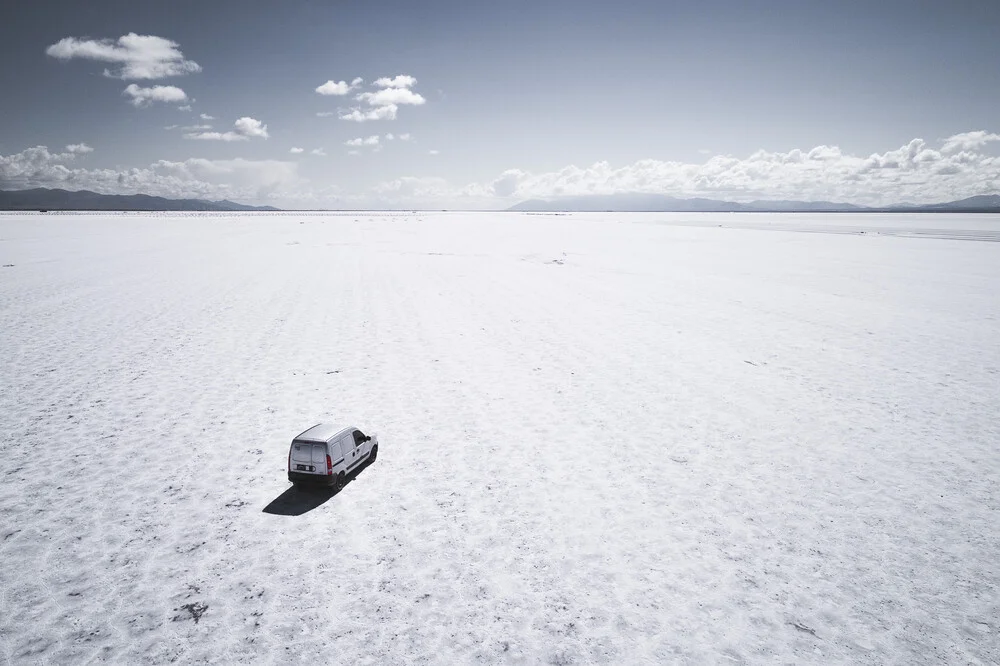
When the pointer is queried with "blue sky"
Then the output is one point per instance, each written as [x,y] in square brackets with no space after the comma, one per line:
[490,104]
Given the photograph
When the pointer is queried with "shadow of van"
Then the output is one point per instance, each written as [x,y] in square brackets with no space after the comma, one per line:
[296,501]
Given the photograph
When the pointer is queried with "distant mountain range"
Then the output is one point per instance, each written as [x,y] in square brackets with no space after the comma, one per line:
[46,199]
[664,204]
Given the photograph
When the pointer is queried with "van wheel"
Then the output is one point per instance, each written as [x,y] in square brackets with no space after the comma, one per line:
[373,454]
[340,482]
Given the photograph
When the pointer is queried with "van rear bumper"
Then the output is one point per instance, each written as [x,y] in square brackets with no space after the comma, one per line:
[312,479]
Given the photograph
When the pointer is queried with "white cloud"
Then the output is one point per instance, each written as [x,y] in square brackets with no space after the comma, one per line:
[391,97]
[251,127]
[79,148]
[325,114]
[357,82]
[433,152]
[384,103]
[969,141]
[378,113]
[205,116]
[137,56]
[338,88]
[400,81]
[20,170]
[367,141]
[318,151]
[389,137]
[194,178]
[216,136]
[145,96]
[186,107]
[404,137]
[296,151]
[245,128]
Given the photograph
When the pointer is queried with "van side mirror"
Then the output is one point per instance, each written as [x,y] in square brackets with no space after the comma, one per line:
[368,438]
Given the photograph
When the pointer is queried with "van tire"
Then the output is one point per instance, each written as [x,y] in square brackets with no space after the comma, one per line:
[373,454]
[341,482]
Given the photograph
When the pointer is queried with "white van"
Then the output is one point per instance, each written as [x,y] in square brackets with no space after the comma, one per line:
[327,454]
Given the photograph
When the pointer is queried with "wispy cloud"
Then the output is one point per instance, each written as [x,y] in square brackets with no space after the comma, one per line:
[325,114]
[400,81]
[338,87]
[969,141]
[140,97]
[216,136]
[391,96]
[358,115]
[372,140]
[296,151]
[205,116]
[136,56]
[243,129]
[79,148]
[318,151]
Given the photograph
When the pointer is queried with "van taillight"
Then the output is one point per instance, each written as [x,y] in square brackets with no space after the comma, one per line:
[329,466]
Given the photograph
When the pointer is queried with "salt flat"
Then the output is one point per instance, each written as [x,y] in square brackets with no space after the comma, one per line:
[617,438]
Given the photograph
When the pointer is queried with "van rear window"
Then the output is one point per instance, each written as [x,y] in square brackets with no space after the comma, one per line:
[302,451]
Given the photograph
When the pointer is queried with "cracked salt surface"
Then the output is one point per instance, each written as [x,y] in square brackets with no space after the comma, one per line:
[657,441]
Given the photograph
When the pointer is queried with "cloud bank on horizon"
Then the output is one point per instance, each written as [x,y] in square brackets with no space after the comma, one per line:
[959,167]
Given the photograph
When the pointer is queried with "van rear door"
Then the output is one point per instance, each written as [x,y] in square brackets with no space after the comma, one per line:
[308,457]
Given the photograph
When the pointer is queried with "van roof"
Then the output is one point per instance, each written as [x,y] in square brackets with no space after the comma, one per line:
[322,432]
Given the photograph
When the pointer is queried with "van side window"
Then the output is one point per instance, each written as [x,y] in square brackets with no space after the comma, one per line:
[338,446]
